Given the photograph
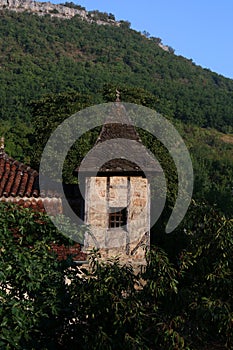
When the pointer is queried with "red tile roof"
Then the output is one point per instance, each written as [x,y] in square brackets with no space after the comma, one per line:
[74,250]
[17,179]
[19,184]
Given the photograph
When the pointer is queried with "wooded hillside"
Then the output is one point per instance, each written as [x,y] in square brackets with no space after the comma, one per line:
[40,55]
[52,67]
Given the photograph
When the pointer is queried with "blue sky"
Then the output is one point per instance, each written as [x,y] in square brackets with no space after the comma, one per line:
[201,30]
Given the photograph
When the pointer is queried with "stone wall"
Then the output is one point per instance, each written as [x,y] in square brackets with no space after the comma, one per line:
[102,195]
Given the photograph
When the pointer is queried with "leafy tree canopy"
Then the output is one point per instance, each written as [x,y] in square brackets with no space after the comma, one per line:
[42,55]
[179,301]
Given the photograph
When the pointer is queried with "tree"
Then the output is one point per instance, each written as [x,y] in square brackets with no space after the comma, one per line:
[49,112]
[101,309]
[16,139]
[156,40]
[146,34]
[186,304]
[111,16]
[32,284]
[125,24]
[206,268]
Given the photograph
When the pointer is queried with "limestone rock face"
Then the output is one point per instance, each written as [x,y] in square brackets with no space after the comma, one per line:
[54,10]
[41,8]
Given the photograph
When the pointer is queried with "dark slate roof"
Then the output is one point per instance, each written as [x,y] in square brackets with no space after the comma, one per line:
[118,125]
[120,164]
[16,178]
[117,130]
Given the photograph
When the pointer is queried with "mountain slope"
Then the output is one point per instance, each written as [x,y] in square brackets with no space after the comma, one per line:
[40,54]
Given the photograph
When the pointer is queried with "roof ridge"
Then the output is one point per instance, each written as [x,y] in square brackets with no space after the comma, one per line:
[20,165]
[16,178]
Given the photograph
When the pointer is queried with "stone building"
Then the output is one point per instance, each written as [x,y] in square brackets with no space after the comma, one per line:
[115,205]
[117,194]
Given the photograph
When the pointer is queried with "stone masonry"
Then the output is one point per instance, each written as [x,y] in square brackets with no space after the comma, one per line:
[104,194]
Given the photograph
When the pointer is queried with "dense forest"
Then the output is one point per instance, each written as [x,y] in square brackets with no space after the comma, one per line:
[182,300]
[51,68]
[41,55]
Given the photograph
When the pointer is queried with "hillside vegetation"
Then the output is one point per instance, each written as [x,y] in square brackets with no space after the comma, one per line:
[51,68]
[40,55]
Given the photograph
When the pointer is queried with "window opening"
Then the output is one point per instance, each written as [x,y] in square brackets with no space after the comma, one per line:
[117,217]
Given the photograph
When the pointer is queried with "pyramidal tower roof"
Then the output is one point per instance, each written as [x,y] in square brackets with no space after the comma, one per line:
[118,125]
[132,160]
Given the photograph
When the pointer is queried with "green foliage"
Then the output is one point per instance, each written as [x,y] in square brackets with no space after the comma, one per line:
[46,55]
[211,155]
[49,112]
[17,143]
[201,250]
[32,280]
[184,305]
[183,298]
[73,6]
[129,94]
[114,311]
[102,16]
[206,270]
[212,159]
[41,55]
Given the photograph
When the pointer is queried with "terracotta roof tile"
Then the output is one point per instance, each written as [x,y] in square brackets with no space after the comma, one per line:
[15,186]
[17,179]
[75,250]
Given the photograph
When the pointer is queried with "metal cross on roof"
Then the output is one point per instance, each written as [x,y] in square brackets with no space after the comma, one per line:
[118,94]
[2,145]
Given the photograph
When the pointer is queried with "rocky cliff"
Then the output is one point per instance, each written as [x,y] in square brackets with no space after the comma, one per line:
[54,10]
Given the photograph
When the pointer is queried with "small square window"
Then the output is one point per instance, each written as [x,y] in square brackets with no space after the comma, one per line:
[117,217]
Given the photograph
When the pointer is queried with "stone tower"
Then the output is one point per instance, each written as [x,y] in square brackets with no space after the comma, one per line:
[117,194]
